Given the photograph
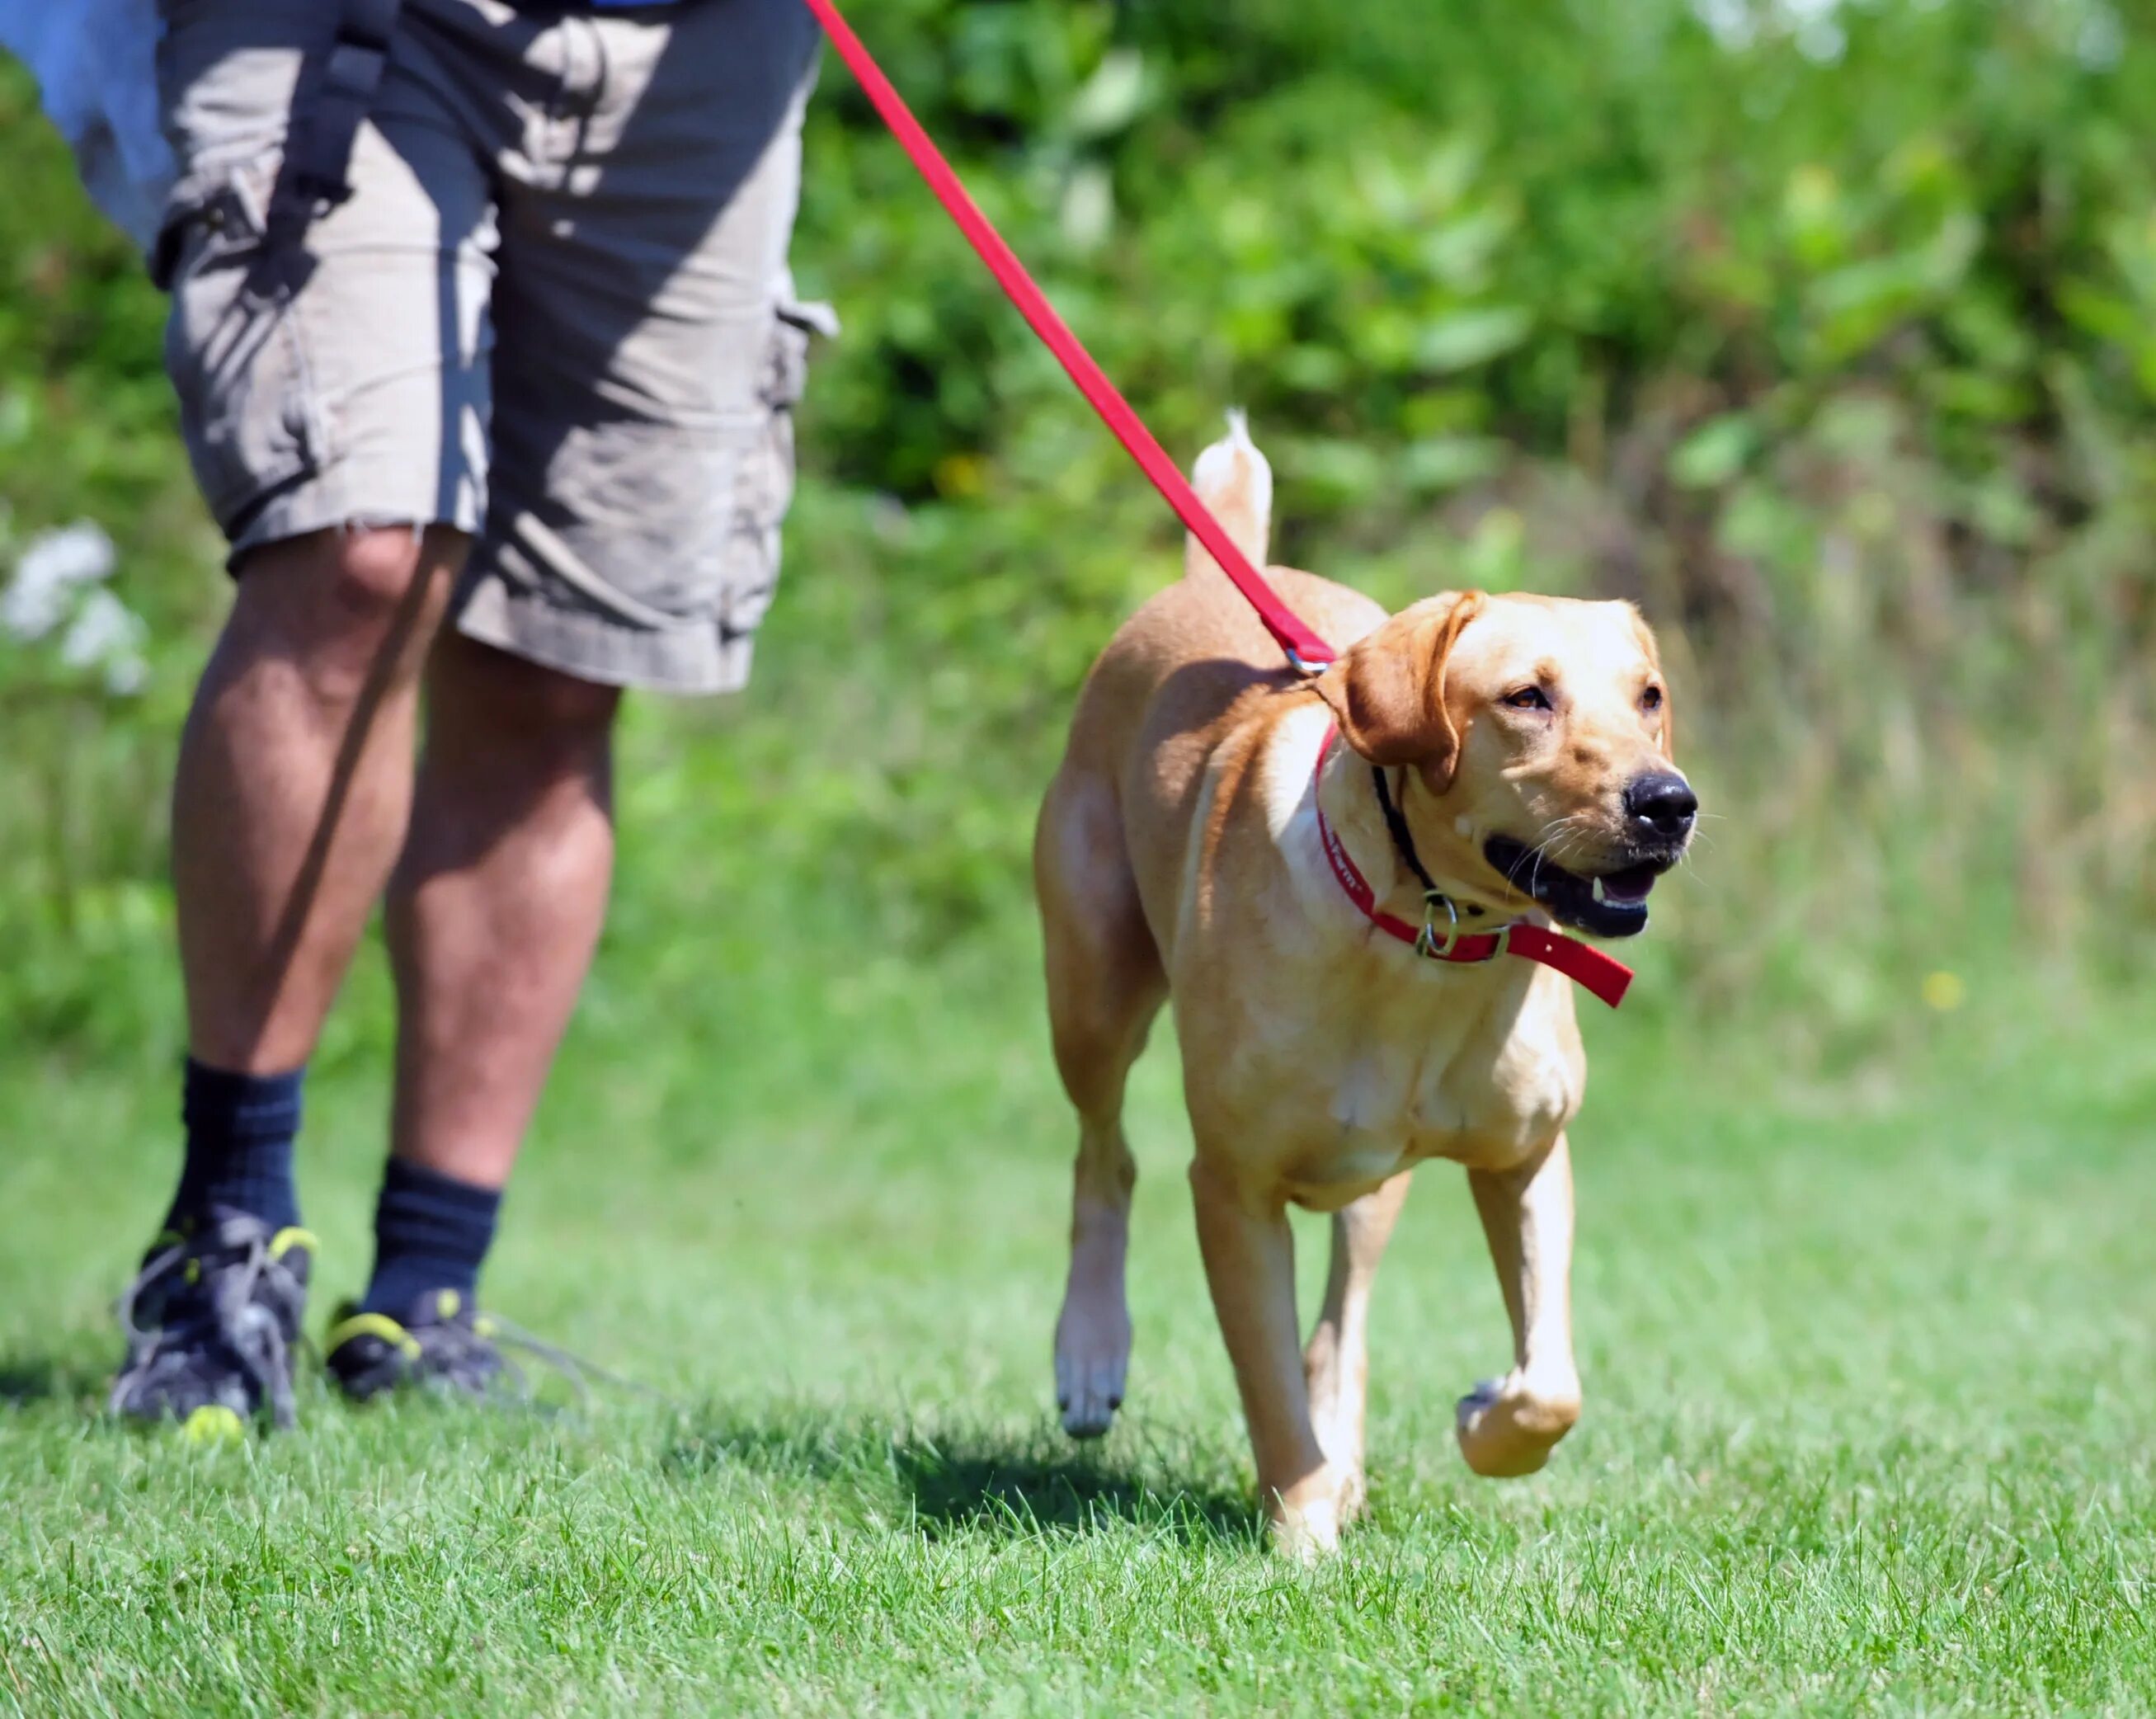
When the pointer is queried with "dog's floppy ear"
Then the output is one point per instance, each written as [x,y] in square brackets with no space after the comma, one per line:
[1388,691]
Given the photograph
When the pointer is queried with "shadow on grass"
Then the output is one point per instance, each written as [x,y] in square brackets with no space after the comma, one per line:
[967,1480]
[29,1379]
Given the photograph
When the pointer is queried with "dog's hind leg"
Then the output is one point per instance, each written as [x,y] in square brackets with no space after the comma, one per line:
[1337,1363]
[1105,986]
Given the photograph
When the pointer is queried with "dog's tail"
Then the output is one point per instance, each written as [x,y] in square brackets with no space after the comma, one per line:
[1232,479]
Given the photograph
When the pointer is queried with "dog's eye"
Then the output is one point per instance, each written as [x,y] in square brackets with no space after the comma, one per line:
[1529,698]
[1652,699]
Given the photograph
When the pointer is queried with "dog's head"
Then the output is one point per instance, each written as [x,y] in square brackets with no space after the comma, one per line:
[1541,729]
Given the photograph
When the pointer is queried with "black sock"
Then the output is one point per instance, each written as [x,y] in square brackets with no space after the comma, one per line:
[240,1129]
[431,1231]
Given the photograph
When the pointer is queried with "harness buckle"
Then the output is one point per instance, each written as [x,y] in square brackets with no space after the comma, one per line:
[1426,942]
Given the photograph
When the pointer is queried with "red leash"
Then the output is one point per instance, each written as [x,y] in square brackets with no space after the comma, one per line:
[1304,647]
[1588,967]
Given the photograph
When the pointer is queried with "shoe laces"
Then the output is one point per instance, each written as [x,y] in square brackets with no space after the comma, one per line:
[225,1304]
[508,1340]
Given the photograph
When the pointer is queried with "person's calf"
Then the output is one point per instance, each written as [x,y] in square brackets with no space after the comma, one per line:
[294,783]
[497,902]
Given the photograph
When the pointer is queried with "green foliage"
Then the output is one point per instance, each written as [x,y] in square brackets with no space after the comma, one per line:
[1835,347]
[1830,343]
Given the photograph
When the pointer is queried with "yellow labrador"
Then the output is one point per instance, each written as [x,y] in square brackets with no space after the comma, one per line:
[1201,840]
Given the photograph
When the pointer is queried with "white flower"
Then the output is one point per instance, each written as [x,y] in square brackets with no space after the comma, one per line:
[105,634]
[127,676]
[55,563]
[1729,21]
[1738,25]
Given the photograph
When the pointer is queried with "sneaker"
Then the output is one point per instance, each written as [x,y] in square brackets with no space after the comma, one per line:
[442,1342]
[210,1319]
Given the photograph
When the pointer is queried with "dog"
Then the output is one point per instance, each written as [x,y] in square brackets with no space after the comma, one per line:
[1489,764]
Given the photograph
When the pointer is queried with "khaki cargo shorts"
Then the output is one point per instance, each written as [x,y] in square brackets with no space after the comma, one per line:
[555,314]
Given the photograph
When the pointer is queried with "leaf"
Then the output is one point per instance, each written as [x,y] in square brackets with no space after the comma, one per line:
[1466,338]
[1447,462]
[1714,453]
[1109,99]
[1314,368]
[1089,206]
[1347,470]
[1812,215]
[1458,251]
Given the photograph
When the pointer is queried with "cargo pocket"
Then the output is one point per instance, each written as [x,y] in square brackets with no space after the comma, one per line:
[233,350]
[764,481]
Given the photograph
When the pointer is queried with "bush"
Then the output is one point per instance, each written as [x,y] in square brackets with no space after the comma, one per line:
[1829,334]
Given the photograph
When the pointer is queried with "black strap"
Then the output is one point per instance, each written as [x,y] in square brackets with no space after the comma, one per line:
[327,109]
[1403,846]
[1402,842]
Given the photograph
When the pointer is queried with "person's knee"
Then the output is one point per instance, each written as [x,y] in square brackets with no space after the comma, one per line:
[349,608]
[555,705]
[515,716]
[374,573]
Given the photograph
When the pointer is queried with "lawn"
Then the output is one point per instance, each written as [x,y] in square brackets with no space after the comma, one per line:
[1828,332]
[1868,1364]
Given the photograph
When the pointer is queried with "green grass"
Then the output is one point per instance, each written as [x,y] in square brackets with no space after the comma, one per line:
[1870,1388]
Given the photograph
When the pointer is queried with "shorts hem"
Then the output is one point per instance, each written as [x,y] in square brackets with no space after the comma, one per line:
[693,662]
[326,501]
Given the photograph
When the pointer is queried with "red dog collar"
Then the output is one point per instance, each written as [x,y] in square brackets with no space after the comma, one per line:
[1602,975]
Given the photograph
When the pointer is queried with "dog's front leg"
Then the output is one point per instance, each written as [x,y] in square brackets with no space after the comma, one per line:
[1508,1425]
[1249,1266]
[1338,1360]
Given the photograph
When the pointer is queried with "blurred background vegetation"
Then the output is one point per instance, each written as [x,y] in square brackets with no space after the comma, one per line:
[1826,332]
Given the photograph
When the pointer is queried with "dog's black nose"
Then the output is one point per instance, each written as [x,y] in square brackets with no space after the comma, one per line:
[1662,802]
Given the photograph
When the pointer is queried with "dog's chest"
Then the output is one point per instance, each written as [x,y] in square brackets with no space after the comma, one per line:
[1389,1104]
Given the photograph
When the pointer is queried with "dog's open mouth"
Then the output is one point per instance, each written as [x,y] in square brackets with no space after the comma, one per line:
[1613,905]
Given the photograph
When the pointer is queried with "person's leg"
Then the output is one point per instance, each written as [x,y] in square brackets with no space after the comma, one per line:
[294,778]
[334,416]
[289,806]
[649,354]
[493,913]
[647,368]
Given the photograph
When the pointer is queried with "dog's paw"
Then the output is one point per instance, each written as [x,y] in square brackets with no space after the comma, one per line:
[1092,1363]
[1306,1520]
[1508,1427]
[1354,1496]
